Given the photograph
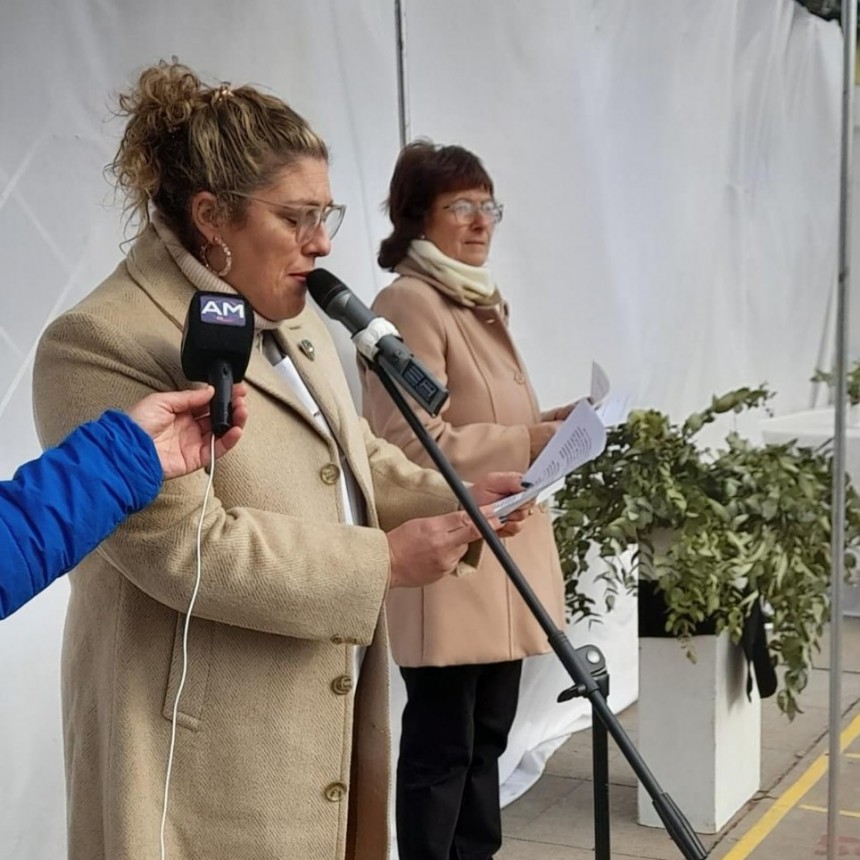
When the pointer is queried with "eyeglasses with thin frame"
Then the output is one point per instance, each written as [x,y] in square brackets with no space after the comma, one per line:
[464,211]
[306,219]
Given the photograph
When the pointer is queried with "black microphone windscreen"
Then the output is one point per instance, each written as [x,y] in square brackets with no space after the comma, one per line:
[217,327]
[324,286]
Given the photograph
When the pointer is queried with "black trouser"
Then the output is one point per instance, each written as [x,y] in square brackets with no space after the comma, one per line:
[455,727]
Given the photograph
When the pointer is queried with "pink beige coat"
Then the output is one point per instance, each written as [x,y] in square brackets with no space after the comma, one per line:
[482,427]
[277,756]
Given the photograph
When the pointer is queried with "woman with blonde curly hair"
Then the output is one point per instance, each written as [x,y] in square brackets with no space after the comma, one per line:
[281,731]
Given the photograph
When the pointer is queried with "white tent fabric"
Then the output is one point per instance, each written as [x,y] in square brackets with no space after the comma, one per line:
[670,177]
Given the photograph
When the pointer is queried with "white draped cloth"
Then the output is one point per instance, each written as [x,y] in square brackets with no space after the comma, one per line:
[670,179]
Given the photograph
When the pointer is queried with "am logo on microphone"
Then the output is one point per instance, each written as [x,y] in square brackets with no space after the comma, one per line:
[223,312]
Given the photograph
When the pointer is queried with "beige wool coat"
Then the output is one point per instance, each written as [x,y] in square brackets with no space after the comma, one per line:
[481,428]
[279,754]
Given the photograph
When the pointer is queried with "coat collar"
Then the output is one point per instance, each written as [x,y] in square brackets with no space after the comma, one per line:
[153,268]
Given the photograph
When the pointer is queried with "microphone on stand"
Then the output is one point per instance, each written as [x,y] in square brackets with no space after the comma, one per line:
[216,348]
[376,339]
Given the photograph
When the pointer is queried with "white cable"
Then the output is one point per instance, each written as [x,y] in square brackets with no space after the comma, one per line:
[185,645]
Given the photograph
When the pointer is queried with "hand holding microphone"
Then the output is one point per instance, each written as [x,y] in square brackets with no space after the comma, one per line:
[179,423]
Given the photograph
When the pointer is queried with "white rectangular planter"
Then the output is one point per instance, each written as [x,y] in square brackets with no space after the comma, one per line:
[698,732]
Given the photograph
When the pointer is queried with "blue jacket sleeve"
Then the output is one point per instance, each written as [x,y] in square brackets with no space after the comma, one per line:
[57,509]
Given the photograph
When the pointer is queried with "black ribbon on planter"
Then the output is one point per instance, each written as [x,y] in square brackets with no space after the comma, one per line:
[652,623]
[754,643]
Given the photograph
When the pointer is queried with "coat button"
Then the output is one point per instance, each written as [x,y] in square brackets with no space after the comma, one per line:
[342,685]
[335,792]
[337,640]
[519,377]
[330,473]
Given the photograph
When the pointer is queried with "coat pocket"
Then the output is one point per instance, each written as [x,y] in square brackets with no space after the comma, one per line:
[193,698]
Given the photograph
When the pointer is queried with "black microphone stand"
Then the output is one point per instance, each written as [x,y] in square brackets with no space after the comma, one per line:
[576,664]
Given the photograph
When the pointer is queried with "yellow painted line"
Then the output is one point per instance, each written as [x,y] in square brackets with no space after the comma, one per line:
[789,799]
[846,812]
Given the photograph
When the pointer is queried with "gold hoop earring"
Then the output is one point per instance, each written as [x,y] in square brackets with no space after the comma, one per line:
[228,256]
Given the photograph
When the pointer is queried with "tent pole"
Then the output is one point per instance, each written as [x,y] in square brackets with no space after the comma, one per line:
[849,31]
[402,82]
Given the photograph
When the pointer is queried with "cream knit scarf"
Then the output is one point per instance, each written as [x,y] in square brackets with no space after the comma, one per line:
[465,284]
[201,278]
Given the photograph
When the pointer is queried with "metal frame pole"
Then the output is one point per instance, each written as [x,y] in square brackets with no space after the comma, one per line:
[849,31]
[600,768]
[402,73]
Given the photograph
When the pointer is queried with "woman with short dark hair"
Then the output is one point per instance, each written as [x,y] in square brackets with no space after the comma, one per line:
[459,643]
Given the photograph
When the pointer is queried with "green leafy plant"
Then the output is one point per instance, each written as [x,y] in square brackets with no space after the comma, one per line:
[852,378]
[745,523]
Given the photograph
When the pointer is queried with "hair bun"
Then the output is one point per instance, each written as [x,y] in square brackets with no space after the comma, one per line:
[164,98]
[183,136]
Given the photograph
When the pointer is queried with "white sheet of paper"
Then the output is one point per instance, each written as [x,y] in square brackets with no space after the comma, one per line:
[599,384]
[614,409]
[580,438]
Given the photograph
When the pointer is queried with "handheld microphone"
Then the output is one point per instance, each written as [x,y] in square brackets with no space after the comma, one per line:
[216,347]
[376,339]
